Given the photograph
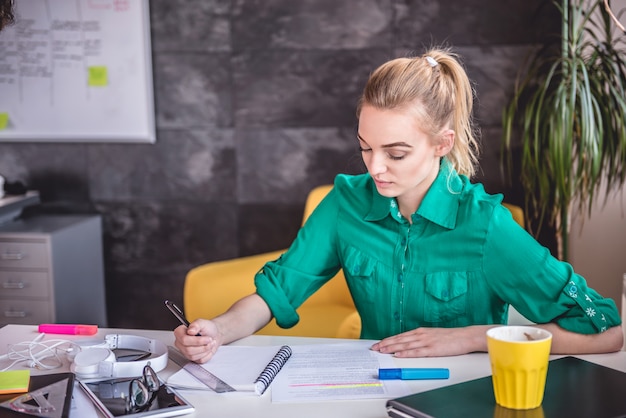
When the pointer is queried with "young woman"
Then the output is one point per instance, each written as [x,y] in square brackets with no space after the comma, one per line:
[432,261]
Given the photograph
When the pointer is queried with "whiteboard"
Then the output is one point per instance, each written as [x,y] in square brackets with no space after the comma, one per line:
[77,71]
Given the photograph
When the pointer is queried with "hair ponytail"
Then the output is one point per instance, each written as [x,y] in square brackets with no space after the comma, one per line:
[436,88]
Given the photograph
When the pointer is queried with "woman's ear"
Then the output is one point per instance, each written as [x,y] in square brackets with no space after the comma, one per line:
[446,142]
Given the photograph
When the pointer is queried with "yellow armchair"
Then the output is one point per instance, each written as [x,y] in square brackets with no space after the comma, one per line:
[516,211]
[212,288]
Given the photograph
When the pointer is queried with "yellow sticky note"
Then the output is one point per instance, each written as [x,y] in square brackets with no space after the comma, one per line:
[98,76]
[14,381]
[4,120]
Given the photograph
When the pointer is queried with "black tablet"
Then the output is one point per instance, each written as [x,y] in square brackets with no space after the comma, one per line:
[111,399]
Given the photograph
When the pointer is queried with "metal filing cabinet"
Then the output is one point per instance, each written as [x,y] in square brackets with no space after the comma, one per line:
[51,270]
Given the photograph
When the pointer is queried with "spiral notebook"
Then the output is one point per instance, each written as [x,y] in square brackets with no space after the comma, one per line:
[244,368]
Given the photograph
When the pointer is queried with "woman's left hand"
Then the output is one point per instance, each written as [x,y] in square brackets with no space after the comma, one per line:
[435,342]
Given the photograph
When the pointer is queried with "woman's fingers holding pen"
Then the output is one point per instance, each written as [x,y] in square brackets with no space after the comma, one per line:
[198,353]
[199,348]
[203,353]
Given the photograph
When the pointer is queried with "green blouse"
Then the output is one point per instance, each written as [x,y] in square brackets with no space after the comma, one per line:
[461,262]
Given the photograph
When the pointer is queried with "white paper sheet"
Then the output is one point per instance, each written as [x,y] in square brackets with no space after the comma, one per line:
[334,372]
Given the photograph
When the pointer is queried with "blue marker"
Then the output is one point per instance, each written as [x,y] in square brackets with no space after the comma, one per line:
[413,374]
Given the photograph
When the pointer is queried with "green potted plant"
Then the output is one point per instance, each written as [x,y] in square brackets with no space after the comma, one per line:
[569,110]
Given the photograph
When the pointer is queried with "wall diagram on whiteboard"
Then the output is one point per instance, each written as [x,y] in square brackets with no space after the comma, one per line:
[77,70]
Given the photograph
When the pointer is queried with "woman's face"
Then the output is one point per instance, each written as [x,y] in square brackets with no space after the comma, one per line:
[400,157]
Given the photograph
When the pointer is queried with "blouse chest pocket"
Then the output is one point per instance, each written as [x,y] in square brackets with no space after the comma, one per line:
[446,297]
[360,272]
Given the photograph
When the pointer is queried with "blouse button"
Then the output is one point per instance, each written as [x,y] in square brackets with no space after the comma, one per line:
[573,289]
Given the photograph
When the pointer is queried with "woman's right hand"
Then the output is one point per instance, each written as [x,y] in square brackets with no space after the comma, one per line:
[198,348]
[245,317]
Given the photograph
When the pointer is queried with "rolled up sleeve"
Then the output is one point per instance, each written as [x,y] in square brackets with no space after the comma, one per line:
[589,313]
[310,261]
[269,288]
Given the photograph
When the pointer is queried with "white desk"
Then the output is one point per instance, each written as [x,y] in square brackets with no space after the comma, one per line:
[209,404]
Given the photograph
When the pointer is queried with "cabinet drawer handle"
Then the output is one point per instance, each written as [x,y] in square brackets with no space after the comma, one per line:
[14,314]
[13,285]
[12,256]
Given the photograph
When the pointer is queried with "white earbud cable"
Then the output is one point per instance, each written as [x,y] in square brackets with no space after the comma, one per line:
[41,355]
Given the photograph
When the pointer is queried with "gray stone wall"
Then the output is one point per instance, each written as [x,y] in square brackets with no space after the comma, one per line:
[255,106]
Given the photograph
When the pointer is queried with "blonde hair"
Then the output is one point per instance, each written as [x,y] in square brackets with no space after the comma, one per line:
[436,88]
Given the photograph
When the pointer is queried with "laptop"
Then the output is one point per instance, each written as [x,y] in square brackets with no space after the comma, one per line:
[575,388]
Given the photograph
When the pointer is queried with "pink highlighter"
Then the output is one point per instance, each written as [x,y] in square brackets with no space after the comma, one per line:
[72,329]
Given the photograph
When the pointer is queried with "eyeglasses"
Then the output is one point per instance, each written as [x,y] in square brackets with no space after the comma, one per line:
[142,391]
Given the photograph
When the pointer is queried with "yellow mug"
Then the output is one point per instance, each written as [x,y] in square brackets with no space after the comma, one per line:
[519,358]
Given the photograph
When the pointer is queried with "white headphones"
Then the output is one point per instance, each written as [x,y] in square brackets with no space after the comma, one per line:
[99,362]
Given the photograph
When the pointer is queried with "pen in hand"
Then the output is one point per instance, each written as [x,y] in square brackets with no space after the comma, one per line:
[178,313]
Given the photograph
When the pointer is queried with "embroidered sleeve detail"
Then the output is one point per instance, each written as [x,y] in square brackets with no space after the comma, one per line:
[587,304]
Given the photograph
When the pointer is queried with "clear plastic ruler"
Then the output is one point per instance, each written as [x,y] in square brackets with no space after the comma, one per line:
[199,372]
[47,402]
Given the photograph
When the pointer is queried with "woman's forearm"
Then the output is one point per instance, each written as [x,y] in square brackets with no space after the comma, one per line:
[567,342]
[243,318]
